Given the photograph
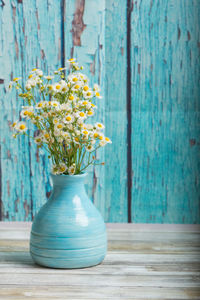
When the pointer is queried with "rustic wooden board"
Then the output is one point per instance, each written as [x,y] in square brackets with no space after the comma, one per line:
[146,61]
[29,29]
[158,267]
[165,111]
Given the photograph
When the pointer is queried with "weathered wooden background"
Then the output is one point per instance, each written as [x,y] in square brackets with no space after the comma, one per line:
[145,55]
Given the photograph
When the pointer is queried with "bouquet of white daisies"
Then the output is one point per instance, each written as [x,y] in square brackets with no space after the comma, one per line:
[60,110]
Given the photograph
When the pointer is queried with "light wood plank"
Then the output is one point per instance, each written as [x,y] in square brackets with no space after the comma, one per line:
[81,292]
[149,264]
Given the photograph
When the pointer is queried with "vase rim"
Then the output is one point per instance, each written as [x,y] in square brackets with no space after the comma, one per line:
[81,175]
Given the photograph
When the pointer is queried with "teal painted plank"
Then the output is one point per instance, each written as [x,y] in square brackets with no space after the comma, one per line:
[165,111]
[86,43]
[15,169]
[92,43]
[29,30]
[115,112]
[43,20]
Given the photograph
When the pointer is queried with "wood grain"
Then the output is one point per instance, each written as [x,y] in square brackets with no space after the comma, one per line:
[159,182]
[156,266]
[165,111]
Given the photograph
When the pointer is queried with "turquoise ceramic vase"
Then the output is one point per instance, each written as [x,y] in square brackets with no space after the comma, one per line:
[68,231]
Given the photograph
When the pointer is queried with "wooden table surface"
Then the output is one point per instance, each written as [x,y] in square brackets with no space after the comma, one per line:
[144,261]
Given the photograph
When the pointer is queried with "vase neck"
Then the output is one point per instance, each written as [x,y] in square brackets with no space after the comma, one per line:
[68,181]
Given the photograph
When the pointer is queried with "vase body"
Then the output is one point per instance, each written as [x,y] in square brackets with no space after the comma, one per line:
[68,231]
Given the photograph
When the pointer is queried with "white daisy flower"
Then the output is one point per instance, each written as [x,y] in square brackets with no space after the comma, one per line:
[99,126]
[38,139]
[64,87]
[16,79]
[14,124]
[62,69]
[57,87]
[76,140]
[58,126]
[96,87]
[81,115]
[65,135]
[85,132]
[77,86]
[71,60]
[40,105]
[102,143]
[66,106]
[97,94]
[62,168]
[90,112]
[55,170]
[49,77]
[89,148]
[39,72]
[28,86]
[55,104]
[108,141]
[55,121]
[72,97]
[21,127]
[68,119]
[89,126]
[26,113]
[88,94]
[72,169]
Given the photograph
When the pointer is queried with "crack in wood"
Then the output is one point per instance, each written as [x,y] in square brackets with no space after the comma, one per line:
[78,25]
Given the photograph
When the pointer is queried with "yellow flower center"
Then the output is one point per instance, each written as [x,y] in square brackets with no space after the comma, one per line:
[86,88]
[34,69]
[60,69]
[15,79]
[62,169]
[96,135]
[39,104]
[64,89]
[71,97]
[90,113]
[76,139]
[89,94]
[13,125]
[50,87]
[107,139]
[55,104]
[101,138]
[85,102]
[85,132]
[22,127]
[81,114]
[97,94]
[77,87]
[75,79]
[30,76]
[57,87]
[46,135]
[26,113]
[59,126]
[68,118]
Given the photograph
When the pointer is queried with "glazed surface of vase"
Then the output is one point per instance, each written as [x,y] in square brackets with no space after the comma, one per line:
[68,231]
